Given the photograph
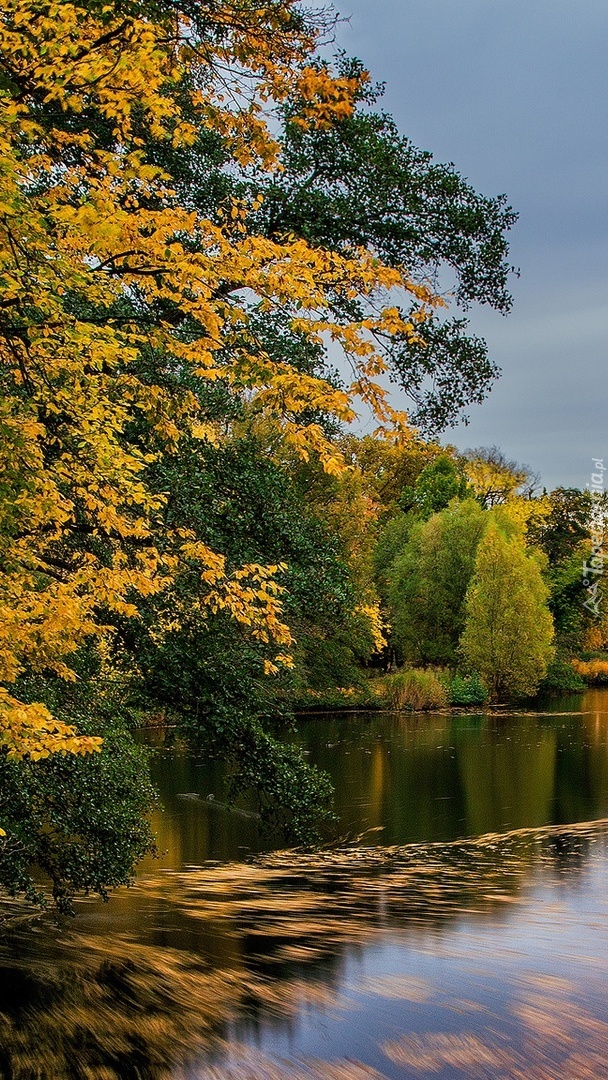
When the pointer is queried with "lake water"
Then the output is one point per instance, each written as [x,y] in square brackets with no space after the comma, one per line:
[459,928]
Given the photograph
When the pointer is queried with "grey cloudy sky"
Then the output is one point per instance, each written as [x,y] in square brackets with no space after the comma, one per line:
[514,92]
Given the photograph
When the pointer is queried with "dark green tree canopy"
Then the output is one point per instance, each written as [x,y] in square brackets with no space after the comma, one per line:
[359,183]
[567,524]
[439,482]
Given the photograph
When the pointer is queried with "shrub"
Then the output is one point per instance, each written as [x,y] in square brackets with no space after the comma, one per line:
[414,689]
[561,678]
[594,672]
[467,690]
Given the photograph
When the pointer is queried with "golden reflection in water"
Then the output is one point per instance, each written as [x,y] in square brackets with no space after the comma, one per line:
[500,779]
[141,991]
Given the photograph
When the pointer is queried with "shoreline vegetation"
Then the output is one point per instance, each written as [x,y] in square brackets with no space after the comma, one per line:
[187,520]
[414,690]
[422,690]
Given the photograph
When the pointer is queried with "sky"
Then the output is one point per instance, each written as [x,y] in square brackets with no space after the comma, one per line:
[514,92]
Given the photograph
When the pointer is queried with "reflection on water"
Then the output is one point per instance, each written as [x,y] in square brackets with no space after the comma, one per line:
[375,954]
[436,952]
[417,778]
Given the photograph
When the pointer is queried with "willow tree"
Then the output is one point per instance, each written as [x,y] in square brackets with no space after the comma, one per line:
[509,630]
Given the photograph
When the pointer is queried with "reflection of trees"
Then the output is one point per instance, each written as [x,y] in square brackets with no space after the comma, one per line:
[417,778]
[582,763]
[188,951]
[508,777]
[195,824]
[397,772]
[105,1007]
[440,777]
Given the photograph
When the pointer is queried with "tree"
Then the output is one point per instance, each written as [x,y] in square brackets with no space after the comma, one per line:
[212,673]
[104,268]
[495,479]
[155,292]
[509,631]
[439,482]
[81,820]
[359,182]
[566,524]
[428,581]
[565,534]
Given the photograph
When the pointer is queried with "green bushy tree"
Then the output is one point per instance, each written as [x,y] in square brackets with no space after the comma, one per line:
[428,582]
[439,482]
[509,630]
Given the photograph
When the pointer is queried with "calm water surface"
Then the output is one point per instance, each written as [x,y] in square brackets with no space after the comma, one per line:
[459,929]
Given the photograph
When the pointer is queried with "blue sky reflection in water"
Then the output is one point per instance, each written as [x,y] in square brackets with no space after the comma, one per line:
[515,95]
[516,990]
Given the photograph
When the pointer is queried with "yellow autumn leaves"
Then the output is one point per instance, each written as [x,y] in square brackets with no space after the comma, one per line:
[86,221]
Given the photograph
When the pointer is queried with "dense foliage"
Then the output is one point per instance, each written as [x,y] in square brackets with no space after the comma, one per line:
[213,248]
[509,631]
[429,581]
[489,630]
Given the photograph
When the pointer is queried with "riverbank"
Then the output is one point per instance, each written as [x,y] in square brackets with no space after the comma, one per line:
[439,690]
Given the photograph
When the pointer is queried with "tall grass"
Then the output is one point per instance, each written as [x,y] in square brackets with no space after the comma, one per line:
[414,689]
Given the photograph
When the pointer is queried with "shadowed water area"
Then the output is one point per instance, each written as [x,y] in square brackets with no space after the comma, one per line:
[459,928]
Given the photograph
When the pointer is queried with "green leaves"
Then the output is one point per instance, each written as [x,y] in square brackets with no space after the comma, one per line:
[428,582]
[509,631]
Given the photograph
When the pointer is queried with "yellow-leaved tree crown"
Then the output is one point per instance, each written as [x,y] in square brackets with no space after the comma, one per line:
[87,221]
